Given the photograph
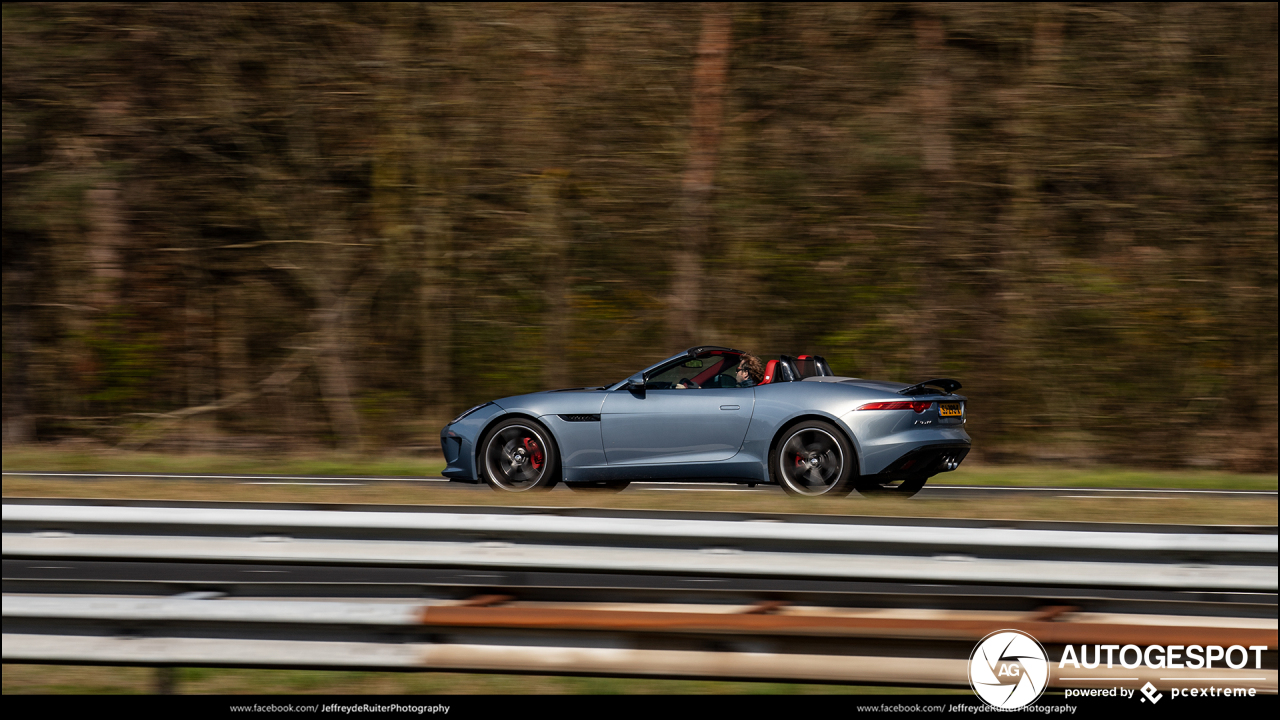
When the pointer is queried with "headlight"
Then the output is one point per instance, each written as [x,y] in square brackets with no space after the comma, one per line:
[468,412]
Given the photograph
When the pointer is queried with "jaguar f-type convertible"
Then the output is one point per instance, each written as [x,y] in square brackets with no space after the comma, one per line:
[690,418]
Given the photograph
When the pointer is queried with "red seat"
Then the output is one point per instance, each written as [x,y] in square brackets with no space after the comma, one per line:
[770,370]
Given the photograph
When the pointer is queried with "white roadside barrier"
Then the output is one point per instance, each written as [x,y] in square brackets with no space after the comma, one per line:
[1184,561]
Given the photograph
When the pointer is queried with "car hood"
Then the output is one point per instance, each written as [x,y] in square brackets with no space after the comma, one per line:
[567,400]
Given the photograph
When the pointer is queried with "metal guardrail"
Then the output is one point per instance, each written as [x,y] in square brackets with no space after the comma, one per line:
[763,642]
[1074,558]
[769,641]
[651,514]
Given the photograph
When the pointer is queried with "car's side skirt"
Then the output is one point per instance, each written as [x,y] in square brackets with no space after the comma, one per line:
[751,471]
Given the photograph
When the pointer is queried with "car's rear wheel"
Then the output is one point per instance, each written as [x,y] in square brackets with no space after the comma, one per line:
[813,459]
[896,488]
[602,487]
[519,455]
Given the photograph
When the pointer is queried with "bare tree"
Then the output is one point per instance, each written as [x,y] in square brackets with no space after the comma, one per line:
[710,76]
[934,107]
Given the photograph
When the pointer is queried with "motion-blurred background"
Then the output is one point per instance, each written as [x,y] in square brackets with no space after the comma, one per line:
[285,226]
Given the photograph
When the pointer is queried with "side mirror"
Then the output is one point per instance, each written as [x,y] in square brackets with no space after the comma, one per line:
[635,383]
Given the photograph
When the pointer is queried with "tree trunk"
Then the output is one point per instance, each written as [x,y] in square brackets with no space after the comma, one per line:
[935,148]
[437,316]
[233,357]
[335,384]
[697,185]
[550,128]
[549,228]
[105,237]
[18,274]
[1005,299]
[201,358]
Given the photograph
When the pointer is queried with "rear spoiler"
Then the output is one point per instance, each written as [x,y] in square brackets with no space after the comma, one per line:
[947,386]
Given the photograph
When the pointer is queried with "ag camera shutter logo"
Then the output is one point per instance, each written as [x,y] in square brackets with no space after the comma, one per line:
[1008,669]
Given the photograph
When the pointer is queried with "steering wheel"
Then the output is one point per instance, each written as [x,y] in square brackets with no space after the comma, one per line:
[688,383]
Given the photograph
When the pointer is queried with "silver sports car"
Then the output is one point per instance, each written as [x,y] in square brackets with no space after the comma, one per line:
[689,417]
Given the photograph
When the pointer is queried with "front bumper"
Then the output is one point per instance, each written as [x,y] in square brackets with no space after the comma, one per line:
[459,440]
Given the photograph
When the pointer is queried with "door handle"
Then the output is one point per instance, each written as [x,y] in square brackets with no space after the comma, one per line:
[729,407]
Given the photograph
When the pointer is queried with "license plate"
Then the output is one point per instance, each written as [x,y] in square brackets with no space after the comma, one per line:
[952,409]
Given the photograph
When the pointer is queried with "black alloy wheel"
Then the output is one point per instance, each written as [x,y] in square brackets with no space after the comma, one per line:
[519,456]
[813,459]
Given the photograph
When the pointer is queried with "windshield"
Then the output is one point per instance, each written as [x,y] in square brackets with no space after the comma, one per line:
[713,369]
[699,353]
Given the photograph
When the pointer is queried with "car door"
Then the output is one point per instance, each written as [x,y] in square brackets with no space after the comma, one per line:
[675,426]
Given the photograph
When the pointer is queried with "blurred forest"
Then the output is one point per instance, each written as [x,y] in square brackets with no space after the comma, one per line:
[279,226]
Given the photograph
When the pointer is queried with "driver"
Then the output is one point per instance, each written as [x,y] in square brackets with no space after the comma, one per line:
[750,371]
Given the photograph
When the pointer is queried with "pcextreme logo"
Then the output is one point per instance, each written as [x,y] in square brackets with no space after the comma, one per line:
[1008,669]
[1150,691]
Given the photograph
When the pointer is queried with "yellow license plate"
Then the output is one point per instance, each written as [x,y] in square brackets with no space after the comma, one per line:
[952,409]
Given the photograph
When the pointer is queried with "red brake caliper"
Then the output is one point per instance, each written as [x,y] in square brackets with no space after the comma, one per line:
[535,453]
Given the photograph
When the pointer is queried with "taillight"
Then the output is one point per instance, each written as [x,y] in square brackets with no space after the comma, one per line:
[917,405]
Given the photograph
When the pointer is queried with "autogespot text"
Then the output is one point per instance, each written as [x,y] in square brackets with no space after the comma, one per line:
[1159,657]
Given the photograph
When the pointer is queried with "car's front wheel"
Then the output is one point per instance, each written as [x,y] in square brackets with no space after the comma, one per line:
[814,459]
[519,455]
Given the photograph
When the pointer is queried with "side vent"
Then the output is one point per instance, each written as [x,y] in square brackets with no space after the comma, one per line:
[579,418]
